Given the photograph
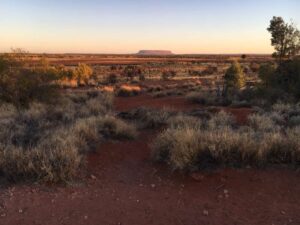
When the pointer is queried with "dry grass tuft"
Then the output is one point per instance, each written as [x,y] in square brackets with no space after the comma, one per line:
[129,90]
[191,144]
[47,142]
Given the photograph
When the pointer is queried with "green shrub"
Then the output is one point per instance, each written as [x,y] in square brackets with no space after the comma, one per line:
[234,77]
[283,81]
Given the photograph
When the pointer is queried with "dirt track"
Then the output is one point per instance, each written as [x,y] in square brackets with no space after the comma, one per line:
[122,186]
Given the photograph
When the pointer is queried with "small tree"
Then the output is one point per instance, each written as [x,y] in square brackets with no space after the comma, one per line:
[285,38]
[83,72]
[266,74]
[234,77]
[21,85]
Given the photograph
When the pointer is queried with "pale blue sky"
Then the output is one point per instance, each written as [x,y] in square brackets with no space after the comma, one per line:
[125,26]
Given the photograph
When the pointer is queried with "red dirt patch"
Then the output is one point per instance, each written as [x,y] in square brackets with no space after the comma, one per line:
[126,188]
[175,103]
[123,187]
[240,114]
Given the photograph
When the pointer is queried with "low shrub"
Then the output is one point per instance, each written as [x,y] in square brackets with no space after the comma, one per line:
[155,88]
[207,98]
[46,143]
[112,78]
[166,93]
[147,117]
[127,91]
[204,98]
[189,145]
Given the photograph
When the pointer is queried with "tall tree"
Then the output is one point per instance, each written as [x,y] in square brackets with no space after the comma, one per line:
[285,38]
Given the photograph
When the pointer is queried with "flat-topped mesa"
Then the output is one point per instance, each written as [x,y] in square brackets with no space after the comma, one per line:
[155,52]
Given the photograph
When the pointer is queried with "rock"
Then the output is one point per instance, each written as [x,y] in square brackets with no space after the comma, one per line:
[20,211]
[205,212]
[226,191]
[86,217]
[153,185]
[93,177]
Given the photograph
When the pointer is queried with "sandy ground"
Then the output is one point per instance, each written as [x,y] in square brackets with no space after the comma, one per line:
[122,186]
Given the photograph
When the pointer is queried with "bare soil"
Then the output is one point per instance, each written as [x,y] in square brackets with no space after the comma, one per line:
[122,186]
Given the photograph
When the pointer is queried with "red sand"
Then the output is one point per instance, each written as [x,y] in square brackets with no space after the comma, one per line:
[123,186]
[128,103]
[175,103]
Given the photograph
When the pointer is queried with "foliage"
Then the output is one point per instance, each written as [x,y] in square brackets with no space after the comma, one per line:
[284,78]
[131,72]
[112,78]
[190,144]
[47,143]
[82,73]
[266,72]
[285,38]
[234,77]
[20,84]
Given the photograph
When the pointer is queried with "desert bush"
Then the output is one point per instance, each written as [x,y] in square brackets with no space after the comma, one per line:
[20,85]
[285,78]
[217,142]
[266,72]
[112,78]
[111,127]
[142,77]
[220,120]
[234,77]
[155,88]
[183,121]
[262,123]
[132,71]
[207,98]
[83,73]
[55,159]
[210,70]
[254,67]
[47,143]
[161,94]
[204,98]
[129,90]
[147,117]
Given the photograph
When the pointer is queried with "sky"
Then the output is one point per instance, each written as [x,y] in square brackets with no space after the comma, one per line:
[127,26]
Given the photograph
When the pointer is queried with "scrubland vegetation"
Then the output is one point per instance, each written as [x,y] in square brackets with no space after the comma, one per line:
[268,138]
[48,143]
[51,115]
